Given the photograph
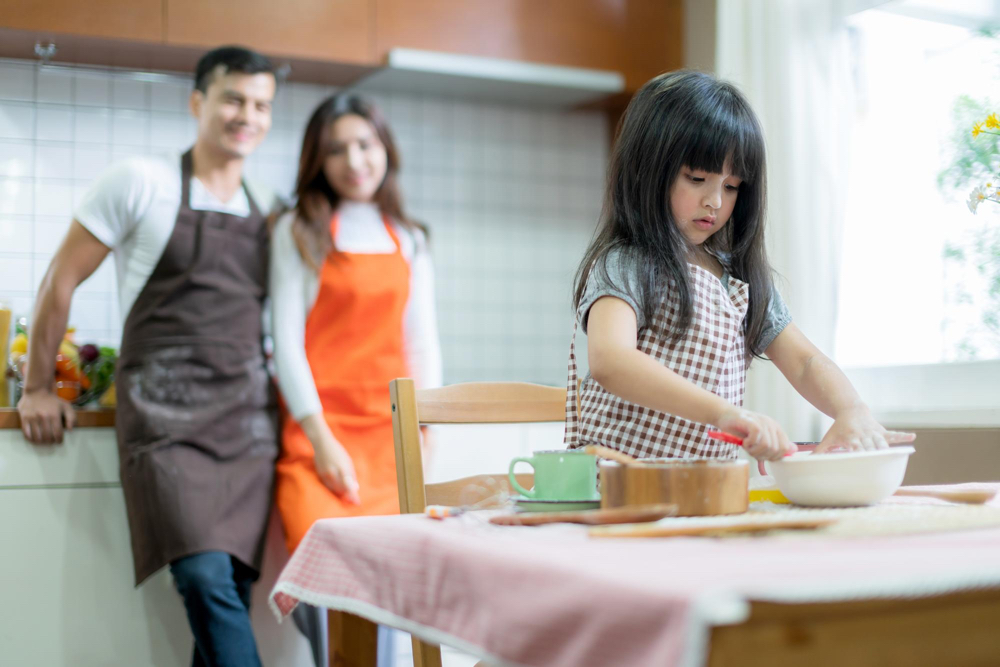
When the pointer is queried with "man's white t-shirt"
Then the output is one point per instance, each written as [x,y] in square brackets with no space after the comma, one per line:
[132,209]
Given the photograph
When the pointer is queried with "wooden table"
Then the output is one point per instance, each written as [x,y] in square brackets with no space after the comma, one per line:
[931,599]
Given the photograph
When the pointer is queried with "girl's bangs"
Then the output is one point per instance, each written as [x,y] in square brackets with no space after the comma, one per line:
[711,142]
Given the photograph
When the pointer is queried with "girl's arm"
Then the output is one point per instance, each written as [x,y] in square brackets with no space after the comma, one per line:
[621,368]
[822,383]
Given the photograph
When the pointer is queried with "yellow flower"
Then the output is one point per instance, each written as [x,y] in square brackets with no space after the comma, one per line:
[976,130]
[992,122]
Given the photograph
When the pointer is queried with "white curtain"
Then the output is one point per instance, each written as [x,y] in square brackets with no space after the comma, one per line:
[792,60]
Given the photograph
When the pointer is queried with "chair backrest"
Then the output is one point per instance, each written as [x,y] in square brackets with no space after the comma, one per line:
[467,403]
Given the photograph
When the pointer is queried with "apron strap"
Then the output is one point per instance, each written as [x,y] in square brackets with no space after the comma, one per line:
[254,209]
[572,394]
[187,171]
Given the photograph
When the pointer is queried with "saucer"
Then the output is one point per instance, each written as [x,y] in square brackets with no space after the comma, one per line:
[538,505]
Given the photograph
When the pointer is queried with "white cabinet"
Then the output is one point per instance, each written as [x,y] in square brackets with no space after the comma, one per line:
[66,568]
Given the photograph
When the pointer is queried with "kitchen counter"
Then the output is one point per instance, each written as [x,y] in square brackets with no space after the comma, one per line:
[85,418]
[66,539]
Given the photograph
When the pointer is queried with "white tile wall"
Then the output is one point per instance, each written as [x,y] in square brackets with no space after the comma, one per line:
[511,196]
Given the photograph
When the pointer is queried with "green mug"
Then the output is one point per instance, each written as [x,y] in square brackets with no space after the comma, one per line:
[560,474]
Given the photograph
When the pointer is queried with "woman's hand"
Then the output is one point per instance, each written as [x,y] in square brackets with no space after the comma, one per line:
[333,464]
[336,471]
[762,437]
[856,430]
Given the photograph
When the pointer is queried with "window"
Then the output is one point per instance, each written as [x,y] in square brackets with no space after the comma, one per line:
[918,267]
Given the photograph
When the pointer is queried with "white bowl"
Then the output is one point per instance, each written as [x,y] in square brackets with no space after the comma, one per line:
[840,479]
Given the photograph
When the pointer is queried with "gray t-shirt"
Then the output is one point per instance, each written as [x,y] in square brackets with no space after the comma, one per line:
[623,278]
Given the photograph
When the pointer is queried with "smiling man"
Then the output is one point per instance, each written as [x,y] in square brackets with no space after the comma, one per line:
[196,422]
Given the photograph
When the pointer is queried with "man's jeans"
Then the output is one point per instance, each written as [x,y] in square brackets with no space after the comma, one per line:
[216,591]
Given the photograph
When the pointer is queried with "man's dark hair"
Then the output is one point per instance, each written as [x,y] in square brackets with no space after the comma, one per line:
[233,59]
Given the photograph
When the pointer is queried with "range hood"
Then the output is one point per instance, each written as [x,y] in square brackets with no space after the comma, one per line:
[490,79]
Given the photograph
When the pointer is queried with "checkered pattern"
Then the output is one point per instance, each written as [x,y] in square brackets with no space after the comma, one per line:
[712,355]
[464,582]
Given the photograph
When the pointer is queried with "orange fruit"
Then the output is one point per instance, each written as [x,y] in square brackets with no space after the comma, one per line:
[68,391]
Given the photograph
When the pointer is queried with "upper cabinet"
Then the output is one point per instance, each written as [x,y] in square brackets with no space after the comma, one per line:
[639,38]
[636,38]
[137,20]
[326,30]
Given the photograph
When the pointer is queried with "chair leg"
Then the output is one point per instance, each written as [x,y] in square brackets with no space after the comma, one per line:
[353,640]
[426,655]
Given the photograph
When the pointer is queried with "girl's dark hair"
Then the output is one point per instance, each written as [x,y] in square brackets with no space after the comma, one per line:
[682,119]
[316,199]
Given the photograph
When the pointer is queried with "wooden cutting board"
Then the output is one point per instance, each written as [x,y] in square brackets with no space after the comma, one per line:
[588,517]
[708,526]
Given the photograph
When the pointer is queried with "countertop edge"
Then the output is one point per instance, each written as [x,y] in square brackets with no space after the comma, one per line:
[85,418]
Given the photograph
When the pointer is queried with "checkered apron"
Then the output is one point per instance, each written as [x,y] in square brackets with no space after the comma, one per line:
[712,355]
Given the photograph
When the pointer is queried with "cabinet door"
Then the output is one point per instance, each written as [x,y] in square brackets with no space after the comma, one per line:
[639,38]
[66,567]
[136,20]
[338,30]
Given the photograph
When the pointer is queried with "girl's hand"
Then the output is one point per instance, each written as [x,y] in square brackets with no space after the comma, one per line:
[762,437]
[333,464]
[857,430]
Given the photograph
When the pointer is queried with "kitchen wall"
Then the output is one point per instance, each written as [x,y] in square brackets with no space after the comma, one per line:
[699,34]
[511,195]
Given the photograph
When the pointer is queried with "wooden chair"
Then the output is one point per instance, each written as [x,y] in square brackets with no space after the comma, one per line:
[469,403]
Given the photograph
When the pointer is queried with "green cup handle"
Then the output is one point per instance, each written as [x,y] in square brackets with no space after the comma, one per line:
[513,480]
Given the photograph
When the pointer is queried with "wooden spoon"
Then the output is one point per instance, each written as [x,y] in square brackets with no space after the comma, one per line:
[970,497]
[644,514]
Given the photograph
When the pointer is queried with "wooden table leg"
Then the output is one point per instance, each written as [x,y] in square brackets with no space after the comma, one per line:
[353,640]
[426,655]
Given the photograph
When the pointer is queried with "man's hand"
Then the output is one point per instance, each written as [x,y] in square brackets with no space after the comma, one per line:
[44,417]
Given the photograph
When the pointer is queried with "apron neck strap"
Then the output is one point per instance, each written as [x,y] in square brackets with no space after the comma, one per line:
[187,173]
[335,225]
[572,431]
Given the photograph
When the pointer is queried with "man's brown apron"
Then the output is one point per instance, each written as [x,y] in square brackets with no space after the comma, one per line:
[196,421]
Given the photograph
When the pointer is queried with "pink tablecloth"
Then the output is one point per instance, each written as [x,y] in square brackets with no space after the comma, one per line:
[554,597]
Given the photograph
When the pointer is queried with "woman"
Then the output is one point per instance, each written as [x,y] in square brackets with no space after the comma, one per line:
[353,308]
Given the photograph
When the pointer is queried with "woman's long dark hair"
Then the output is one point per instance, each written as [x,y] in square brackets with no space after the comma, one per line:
[683,119]
[316,199]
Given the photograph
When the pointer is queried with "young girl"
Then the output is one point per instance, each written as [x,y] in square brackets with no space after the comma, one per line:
[353,308]
[675,291]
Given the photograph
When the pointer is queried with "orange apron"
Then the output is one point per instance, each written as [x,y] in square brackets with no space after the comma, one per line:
[354,344]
